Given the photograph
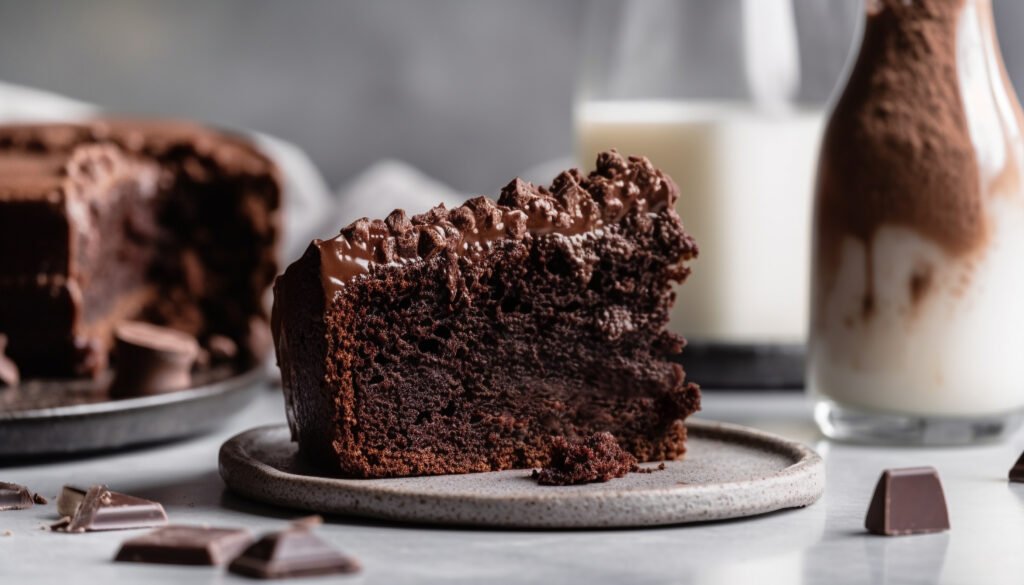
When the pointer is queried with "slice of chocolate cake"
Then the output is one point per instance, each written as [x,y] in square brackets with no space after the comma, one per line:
[110,220]
[465,340]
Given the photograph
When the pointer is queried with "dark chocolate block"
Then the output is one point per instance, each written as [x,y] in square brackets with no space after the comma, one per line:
[295,552]
[109,220]
[186,545]
[907,501]
[14,497]
[102,509]
[464,340]
[151,359]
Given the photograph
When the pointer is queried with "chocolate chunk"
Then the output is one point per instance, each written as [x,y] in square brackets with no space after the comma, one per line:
[14,497]
[186,545]
[102,509]
[69,500]
[907,501]
[1017,471]
[9,374]
[152,360]
[295,552]
[222,349]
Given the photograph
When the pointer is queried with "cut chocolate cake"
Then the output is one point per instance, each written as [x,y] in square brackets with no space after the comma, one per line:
[110,220]
[465,340]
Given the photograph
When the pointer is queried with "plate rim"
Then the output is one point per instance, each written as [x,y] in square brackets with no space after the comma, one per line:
[231,383]
[807,465]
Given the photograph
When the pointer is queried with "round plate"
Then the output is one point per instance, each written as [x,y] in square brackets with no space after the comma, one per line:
[70,417]
[729,472]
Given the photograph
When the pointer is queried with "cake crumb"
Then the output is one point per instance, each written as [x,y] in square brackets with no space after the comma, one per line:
[660,467]
[39,499]
[8,533]
[598,458]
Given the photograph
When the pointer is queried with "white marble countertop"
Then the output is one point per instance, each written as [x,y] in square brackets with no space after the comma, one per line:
[824,543]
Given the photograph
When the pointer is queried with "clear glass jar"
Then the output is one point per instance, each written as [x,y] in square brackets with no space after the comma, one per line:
[727,97]
[917,319]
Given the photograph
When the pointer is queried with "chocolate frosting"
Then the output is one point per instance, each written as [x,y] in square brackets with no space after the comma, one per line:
[574,204]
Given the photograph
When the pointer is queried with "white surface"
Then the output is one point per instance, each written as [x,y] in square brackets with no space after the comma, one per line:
[824,543]
[745,182]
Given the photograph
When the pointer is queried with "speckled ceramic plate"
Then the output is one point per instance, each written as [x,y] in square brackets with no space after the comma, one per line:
[729,472]
[56,418]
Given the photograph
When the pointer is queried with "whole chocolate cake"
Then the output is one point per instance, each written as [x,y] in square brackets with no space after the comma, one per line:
[110,220]
[465,340]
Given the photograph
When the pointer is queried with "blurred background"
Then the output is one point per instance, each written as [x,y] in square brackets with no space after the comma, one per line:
[727,96]
[470,91]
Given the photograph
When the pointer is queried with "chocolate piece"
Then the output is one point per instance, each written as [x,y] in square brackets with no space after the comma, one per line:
[1017,471]
[598,458]
[9,374]
[185,545]
[14,497]
[295,552]
[39,499]
[69,500]
[102,509]
[107,220]
[907,501]
[222,349]
[462,340]
[152,360]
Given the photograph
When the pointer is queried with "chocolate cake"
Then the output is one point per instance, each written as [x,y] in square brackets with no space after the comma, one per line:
[465,340]
[108,220]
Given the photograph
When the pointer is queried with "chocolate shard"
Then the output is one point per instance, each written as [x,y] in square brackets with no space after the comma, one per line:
[907,501]
[102,509]
[186,545]
[295,552]
[1017,471]
[69,499]
[14,497]
[9,374]
[152,360]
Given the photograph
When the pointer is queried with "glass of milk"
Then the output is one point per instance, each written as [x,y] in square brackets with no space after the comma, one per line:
[728,99]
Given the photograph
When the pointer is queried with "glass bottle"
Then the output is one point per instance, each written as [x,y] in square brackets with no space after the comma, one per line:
[917,319]
[728,98]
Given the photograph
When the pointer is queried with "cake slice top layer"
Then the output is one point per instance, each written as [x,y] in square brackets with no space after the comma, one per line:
[161,139]
[573,204]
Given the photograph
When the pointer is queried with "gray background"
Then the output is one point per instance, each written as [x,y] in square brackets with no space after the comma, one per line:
[470,91]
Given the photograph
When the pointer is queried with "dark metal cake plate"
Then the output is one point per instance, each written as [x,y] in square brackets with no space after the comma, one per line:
[729,472]
[54,418]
